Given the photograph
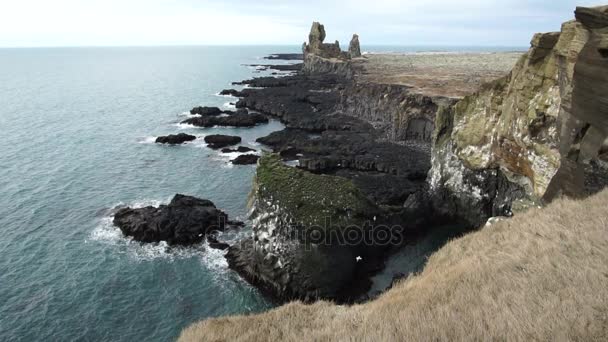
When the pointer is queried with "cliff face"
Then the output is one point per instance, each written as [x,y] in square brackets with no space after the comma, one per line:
[315,65]
[393,110]
[530,134]
[293,211]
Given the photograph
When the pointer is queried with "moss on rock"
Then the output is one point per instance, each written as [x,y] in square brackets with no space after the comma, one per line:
[310,199]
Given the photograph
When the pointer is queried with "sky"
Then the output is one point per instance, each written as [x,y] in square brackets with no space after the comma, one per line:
[33,23]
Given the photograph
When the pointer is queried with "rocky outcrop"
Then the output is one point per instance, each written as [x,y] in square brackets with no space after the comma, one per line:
[322,58]
[240,149]
[315,65]
[290,254]
[317,46]
[186,220]
[529,135]
[230,119]
[245,159]
[206,111]
[354,48]
[393,110]
[175,139]
[217,141]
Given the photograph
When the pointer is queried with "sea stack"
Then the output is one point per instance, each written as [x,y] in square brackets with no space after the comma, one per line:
[354,49]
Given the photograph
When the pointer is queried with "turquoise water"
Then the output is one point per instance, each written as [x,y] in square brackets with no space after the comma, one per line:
[76,130]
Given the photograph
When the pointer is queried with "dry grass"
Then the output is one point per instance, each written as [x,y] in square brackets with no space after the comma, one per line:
[440,74]
[542,275]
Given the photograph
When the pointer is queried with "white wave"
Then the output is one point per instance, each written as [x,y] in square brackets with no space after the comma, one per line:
[227,96]
[147,140]
[199,142]
[292,163]
[186,114]
[183,126]
[107,233]
[229,105]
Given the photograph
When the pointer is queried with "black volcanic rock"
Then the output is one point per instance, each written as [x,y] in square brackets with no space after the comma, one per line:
[210,111]
[279,67]
[238,119]
[175,139]
[246,159]
[240,149]
[186,220]
[286,56]
[232,92]
[218,141]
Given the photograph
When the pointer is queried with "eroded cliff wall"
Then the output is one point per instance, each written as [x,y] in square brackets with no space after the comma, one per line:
[532,134]
[397,113]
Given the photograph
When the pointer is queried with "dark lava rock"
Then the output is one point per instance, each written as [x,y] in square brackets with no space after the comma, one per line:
[232,92]
[234,120]
[240,149]
[218,141]
[186,220]
[241,111]
[211,111]
[284,67]
[286,56]
[175,139]
[246,159]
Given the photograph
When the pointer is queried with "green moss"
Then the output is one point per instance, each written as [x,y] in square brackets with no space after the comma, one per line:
[310,199]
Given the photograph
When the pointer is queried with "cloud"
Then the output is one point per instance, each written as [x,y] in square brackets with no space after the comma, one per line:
[161,22]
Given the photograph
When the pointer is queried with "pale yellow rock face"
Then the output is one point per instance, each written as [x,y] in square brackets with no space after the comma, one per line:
[512,123]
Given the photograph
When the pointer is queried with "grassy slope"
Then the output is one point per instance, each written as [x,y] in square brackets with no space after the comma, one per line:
[542,275]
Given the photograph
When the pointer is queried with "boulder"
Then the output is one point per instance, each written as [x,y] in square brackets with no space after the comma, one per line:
[218,141]
[240,149]
[246,159]
[186,220]
[175,139]
[354,48]
[211,111]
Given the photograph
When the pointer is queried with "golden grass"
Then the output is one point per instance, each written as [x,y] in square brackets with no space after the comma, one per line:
[542,275]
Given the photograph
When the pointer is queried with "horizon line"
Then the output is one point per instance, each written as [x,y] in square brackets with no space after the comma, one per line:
[251,45]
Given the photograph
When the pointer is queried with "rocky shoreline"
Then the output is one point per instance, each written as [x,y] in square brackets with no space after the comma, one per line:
[388,160]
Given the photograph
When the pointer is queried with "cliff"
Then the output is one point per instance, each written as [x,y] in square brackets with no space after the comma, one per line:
[296,214]
[530,135]
[540,276]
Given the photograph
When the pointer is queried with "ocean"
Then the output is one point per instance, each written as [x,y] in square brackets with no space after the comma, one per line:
[77,140]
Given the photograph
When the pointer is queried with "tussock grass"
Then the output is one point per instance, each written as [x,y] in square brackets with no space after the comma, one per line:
[542,275]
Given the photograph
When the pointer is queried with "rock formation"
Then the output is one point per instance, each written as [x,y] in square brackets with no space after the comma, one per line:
[240,149]
[291,216]
[530,135]
[354,49]
[186,220]
[217,141]
[245,159]
[175,139]
[317,46]
[206,111]
[324,58]
[231,119]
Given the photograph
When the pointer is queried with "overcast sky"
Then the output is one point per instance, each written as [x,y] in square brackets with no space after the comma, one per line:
[188,22]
